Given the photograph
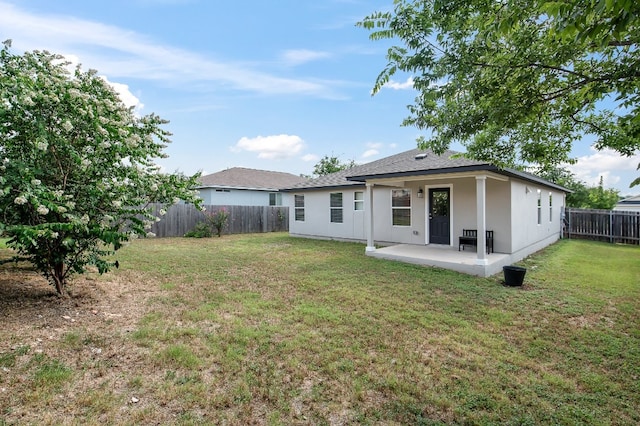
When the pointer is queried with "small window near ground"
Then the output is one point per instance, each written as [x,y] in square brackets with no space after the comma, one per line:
[358,200]
[275,199]
[401,207]
[299,206]
[550,207]
[336,207]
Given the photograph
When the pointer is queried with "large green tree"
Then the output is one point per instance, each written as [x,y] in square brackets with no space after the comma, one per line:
[77,169]
[518,82]
[331,164]
[582,195]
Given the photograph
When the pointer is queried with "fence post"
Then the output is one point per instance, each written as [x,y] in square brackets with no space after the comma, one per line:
[611,226]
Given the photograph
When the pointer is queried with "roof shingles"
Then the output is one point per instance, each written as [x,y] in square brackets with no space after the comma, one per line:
[240,177]
[411,163]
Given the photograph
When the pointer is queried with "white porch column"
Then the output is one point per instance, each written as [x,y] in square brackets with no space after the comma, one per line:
[481,225]
[368,214]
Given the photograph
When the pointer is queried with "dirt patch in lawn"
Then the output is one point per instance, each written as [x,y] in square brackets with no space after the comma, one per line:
[87,331]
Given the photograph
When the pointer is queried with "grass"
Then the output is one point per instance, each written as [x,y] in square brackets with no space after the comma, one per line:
[277,330]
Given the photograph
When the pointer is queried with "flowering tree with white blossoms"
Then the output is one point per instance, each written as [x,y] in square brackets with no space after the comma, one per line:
[77,170]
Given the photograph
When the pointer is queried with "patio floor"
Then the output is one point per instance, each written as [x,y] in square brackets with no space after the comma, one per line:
[442,256]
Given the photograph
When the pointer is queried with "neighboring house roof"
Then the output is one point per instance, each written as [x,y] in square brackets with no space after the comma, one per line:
[242,178]
[629,201]
[414,162]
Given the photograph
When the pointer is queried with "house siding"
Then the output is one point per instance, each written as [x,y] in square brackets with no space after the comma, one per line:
[237,197]
[317,214]
[526,232]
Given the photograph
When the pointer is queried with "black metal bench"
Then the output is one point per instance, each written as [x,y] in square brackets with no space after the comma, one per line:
[469,237]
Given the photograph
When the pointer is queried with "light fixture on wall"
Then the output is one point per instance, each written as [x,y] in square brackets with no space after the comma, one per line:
[420,193]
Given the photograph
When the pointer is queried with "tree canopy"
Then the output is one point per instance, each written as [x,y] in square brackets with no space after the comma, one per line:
[518,82]
[328,165]
[77,170]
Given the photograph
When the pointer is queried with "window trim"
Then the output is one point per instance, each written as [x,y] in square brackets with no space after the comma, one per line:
[335,208]
[539,207]
[277,198]
[299,213]
[358,201]
[401,208]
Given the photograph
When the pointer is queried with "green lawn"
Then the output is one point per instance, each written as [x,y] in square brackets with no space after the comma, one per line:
[277,330]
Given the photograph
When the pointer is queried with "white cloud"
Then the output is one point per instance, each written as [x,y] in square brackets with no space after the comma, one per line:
[370,153]
[310,157]
[128,98]
[606,163]
[273,147]
[300,56]
[121,53]
[391,84]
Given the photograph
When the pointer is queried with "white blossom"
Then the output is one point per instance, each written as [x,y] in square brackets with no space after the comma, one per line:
[42,210]
[35,182]
[154,187]
[163,212]
[84,219]
[150,234]
[67,126]
[86,162]
[62,210]
[28,101]
[20,200]
[54,235]
[42,145]
[117,204]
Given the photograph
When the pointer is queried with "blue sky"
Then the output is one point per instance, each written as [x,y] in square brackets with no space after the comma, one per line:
[265,85]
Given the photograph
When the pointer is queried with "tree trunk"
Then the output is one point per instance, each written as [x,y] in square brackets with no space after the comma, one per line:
[58,278]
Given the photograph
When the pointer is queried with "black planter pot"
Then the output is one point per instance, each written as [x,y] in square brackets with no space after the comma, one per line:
[514,275]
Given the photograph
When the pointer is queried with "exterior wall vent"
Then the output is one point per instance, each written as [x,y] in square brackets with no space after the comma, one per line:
[421,156]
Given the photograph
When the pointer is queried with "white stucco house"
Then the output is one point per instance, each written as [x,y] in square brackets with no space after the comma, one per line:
[239,186]
[414,206]
[629,204]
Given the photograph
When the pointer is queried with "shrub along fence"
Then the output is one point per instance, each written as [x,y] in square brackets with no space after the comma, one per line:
[614,226]
[182,218]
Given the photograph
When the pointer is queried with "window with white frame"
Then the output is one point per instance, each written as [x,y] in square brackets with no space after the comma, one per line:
[539,207]
[275,199]
[550,207]
[299,207]
[401,207]
[335,201]
[358,200]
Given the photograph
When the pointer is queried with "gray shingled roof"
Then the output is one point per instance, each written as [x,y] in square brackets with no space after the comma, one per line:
[407,164]
[242,178]
[398,163]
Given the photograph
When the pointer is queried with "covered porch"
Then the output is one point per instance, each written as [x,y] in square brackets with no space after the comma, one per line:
[443,256]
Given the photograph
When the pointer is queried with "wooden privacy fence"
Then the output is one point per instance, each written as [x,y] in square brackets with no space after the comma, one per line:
[182,218]
[614,226]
